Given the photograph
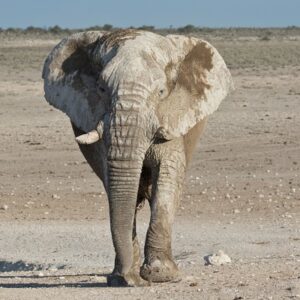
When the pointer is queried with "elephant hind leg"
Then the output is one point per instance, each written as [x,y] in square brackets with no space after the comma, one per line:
[145,187]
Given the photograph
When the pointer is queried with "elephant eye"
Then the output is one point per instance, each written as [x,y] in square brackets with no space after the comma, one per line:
[101,89]
[161,92]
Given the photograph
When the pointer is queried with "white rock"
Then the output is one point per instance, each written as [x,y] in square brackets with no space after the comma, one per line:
[218,259]
[4,207]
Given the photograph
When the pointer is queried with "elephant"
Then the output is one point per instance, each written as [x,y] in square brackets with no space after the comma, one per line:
[138,103]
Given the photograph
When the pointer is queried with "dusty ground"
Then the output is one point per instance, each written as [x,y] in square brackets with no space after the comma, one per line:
[242,191]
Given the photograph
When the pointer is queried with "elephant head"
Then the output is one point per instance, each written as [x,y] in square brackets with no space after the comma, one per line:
[127,90]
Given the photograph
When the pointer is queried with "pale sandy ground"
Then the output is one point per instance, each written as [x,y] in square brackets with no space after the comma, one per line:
[242,191]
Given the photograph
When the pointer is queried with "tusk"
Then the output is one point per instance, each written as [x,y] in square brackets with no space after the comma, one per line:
[88,138]
[92,136]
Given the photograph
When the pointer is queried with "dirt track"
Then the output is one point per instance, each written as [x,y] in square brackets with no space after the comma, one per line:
[242,191]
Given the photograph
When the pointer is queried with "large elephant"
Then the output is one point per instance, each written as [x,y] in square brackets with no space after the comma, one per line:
[138,102]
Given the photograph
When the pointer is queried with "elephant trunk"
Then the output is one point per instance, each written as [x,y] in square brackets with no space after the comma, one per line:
[128,145]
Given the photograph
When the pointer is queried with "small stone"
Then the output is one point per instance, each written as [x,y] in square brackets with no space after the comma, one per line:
[4,207]
[236,211]
[41,274]
[61,277]
[193,283]
[218,259]
[55,196]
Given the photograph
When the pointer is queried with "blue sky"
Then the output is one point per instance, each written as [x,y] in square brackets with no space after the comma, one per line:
[160,13]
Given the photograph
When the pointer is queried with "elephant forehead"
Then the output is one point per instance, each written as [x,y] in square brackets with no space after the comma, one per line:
[139,57]
[150,46]
[133,72]
[142,58]
[129,45]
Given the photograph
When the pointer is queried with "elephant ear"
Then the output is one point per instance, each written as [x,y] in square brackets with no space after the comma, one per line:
[70,80]
[198,80]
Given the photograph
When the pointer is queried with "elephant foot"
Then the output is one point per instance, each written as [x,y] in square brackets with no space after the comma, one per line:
[129,280]
[160,270]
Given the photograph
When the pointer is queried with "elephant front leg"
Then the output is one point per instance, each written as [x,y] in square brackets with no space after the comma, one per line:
[159,265]
[133,278]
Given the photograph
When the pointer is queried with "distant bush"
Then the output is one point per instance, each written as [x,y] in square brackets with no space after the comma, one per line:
[55,29]
[35,30]
[187,29]
[14,30]
[147,27]
[58,30]
[292,27]
[266,36]
[93,28]
[107,27]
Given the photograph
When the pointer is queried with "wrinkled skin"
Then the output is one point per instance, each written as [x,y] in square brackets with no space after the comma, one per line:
[146,98]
